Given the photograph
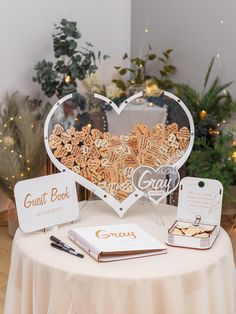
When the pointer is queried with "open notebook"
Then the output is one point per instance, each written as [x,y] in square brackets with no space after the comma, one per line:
[116,242]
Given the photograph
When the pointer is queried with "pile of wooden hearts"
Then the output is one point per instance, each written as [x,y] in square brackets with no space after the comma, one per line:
[109,161]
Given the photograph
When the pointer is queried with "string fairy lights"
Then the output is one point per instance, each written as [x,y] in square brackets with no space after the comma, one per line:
[7,142]
[67,79]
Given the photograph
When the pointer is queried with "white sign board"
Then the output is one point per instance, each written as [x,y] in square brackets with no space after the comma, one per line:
[46,201]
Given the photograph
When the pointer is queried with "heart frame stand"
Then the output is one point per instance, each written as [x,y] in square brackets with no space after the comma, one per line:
[119,207]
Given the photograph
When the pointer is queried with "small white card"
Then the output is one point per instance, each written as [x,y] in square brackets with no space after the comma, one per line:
[46,201]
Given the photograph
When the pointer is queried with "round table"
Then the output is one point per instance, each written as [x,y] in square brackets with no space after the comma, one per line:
[45,280]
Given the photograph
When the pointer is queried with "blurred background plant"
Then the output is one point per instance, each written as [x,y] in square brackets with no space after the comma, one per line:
[138,70]
[22,151]
[214,151]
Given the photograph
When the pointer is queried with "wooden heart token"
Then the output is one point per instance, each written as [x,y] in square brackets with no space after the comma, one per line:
[54,141]
[57,129]
[93,164]
[71,131]
[127,186]
[183,134]
[96,134]
[81,160]
[141,129]
[68,161]
[65,137]
[60,152]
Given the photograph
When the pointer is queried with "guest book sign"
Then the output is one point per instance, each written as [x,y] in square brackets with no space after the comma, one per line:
[46,201]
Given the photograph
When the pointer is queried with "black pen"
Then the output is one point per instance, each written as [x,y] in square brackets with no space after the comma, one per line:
[64,249]
[58,241]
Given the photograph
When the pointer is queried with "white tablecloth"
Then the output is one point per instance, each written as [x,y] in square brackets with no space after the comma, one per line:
[184,281]
[133,114]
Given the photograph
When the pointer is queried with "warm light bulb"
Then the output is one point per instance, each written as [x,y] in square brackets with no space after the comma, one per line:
[5,125]
[224,121]
[67,79]
[28,168]
[20,156]
[146,30]
[218,124]
[11,118]
[27,161]
[13,177]
[6,179]
[221,22]
[32,126]
[12,151]
[234,156]
[22,174]
[20,117]
[218,55]
[203,114]
[210,131]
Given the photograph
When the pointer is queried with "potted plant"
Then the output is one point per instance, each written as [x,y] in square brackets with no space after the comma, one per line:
[213,154]
[138,71]
[73,64]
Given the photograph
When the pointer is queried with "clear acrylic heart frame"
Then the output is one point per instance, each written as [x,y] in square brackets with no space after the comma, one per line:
[119,207]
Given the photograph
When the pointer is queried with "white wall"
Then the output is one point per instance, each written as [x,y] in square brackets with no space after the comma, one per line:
[194,30]
[26,27]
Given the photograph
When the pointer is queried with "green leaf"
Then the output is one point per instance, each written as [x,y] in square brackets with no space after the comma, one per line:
[88,44]
[138,61]
[72,44]
[139,77]
[208,72]
[122,71]
[169,68]
[163,73]
[120,84]
[92,69]
[106,57]
[162,60]
[166,55]
[125,56]
[152,56]
[168,51]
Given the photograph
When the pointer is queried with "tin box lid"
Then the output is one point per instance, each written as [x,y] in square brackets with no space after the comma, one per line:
[200,197]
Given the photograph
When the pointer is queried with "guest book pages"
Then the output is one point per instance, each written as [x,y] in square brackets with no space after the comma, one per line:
[116,242]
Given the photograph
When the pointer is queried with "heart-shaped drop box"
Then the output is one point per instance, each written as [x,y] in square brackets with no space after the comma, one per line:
[104,163]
